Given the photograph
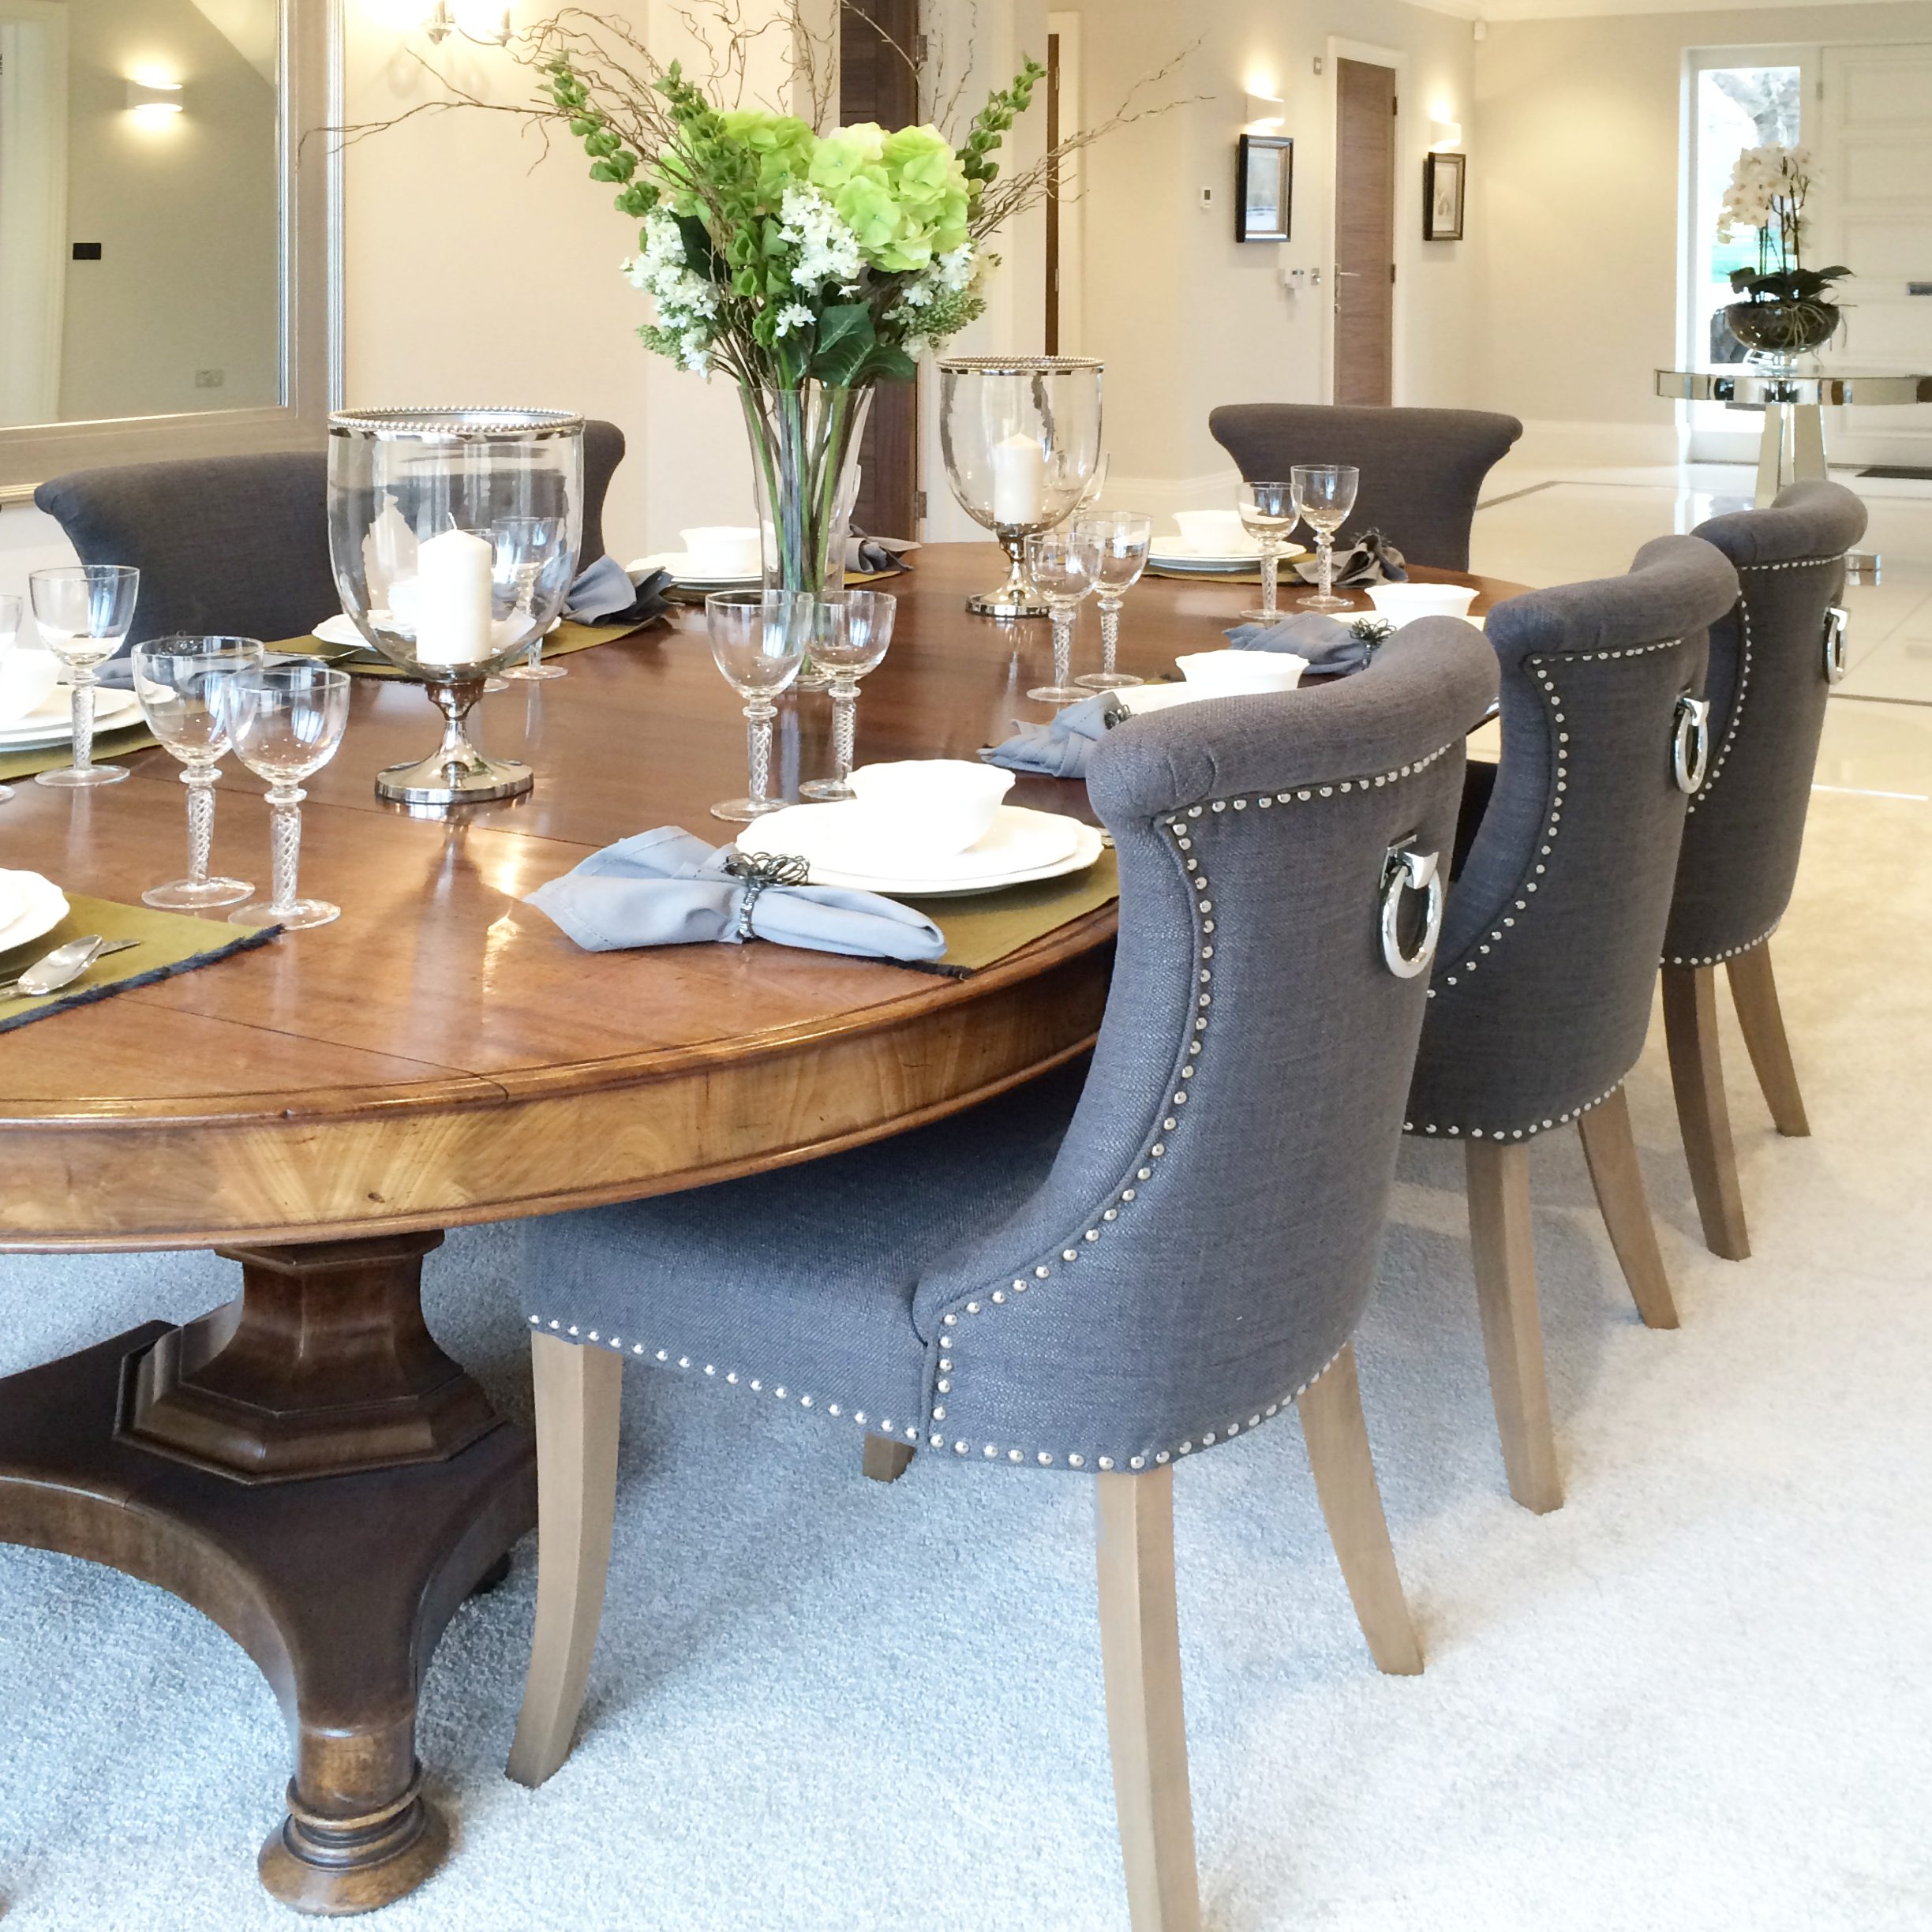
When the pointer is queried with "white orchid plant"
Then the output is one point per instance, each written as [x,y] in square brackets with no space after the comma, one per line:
[1770,188]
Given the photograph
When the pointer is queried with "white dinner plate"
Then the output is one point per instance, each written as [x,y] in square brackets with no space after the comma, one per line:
[1022,846]
[52,722]
[687,576]
[341,629]
[31,907]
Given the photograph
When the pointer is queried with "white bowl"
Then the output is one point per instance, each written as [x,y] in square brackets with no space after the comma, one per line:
[1216,533]
[1242,673]
[1402,603]
[28,680]
[724,550]
[940,806]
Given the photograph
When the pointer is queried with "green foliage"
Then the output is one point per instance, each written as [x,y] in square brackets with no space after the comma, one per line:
[990,124]
[1790,285]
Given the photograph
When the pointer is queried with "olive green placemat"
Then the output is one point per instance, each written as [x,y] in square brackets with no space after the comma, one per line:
[113,744]
[561,642]
[985,928]
[170,943]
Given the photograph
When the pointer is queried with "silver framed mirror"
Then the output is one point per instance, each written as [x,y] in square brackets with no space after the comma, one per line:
[170,232]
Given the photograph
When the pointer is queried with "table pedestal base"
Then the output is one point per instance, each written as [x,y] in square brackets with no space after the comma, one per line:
[337,1585]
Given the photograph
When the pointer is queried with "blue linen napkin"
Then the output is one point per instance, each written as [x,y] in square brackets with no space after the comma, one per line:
[1061,748]
[668,888]
[1332,649]
[600,590]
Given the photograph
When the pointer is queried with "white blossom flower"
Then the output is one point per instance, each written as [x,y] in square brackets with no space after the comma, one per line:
[796,316]
[828,249]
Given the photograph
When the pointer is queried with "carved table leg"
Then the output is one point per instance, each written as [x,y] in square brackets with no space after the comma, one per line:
[338,1582]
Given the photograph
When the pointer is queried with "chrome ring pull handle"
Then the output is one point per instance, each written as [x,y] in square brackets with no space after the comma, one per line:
[1691,753]
[1837,624]
[1405,870]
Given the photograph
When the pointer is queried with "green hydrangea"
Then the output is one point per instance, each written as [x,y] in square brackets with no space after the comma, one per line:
[904,195]
[783,143]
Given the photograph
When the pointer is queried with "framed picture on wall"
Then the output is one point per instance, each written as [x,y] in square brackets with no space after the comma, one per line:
[1444,181]
[1264,187]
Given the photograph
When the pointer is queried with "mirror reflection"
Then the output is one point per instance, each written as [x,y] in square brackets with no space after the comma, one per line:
[140,208]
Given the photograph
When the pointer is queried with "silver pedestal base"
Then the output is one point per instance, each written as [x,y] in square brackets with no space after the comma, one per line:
[998,604]
[456,773]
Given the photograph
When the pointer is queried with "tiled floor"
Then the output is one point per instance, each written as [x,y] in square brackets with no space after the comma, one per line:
[1542,527]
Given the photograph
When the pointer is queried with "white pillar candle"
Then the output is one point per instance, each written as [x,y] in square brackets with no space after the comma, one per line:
[453,583]
[1019,482]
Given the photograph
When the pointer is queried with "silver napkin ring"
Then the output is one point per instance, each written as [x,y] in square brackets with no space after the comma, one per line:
[759,870]
[1405,870]
[1837,623]
[1690,752]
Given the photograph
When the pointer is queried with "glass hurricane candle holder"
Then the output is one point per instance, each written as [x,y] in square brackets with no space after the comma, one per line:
[453,533]
[1021,439]
[1122,539]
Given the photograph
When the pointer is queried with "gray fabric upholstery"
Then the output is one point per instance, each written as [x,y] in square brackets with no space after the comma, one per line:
[1768,689]
[238,545]
[1540,994]
[1197,1240]
[1422,470]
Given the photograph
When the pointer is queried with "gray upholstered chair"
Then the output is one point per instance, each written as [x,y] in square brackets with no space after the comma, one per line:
[1108,1270]
[1774,659]
[1541,992]
[238,545]
[1421,469]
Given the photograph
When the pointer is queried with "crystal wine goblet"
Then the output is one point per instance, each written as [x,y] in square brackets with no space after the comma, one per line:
[179,681]
[544,558]
[285,721]
[9,632]
[83,611]
[850,636]
[759,639]
[1122,538]
[1268,512]
[1324,494]
[1066,569]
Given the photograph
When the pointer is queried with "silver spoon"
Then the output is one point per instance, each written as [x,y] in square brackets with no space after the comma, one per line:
[61,967]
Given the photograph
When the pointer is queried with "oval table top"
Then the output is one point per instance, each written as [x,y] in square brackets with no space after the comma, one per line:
[442,1053]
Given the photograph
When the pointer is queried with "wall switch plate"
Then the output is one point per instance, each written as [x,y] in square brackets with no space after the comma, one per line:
[87,251]
[209,379]
[1318,63]
[1207,197]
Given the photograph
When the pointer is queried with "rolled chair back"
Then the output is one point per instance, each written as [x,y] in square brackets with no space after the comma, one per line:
[1207,1238]
[238,545]
[1541,991]
[1774,657]
[1422,470]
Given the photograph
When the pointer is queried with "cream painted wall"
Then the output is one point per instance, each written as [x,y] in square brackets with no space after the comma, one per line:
[1185,316]
[1575,196]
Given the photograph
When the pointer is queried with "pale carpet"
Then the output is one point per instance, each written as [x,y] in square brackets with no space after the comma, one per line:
[1693,1700]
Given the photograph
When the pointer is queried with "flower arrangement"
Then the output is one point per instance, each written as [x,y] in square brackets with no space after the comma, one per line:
[1770,188]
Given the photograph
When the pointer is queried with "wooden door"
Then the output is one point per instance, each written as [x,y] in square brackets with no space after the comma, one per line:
[877,83]
[1053,196]
[1364,265]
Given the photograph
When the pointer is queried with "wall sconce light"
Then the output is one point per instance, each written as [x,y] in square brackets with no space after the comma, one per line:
[151,100]
[488,25]
[1445,134]
[1264,110]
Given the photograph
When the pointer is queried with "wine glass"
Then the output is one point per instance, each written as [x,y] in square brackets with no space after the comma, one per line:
[83,611]
[1122,538]
[179,681]
[9,632]
[759,639]
[1269,511]
[539,552]
[285,721]
[1324,494]
[1066,569]
[850,636]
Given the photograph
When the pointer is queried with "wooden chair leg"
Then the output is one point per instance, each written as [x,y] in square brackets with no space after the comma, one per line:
[1147,1730]
[1505,1295]
[886,1461]
[1611,1149]
[1703,1115]
[1345,1480]
[1753,989]
[577,1405]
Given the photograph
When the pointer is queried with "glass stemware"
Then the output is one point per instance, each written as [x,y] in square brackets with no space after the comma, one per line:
[83,611]
[540,556]
[1324,494]
[179,681]
[850,636]
[285,721]
[1268,511]
[9,633]
[1066,568]
[758,638]
[1122,539]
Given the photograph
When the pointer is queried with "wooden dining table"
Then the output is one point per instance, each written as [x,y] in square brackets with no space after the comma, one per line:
[304,1465]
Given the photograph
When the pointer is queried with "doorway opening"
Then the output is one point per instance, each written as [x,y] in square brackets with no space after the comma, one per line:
[1366,105]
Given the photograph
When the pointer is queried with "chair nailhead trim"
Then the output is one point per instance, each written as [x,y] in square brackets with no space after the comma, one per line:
[1180,825]
[1730,953]
[1512,1134]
